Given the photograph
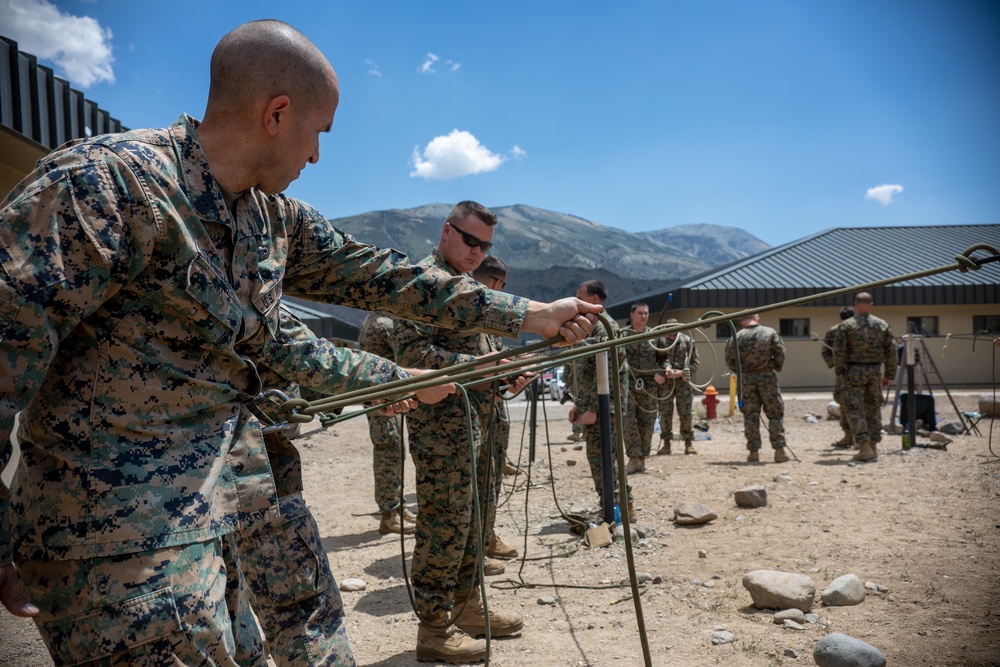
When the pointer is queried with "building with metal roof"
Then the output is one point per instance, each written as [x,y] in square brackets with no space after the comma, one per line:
[947,308]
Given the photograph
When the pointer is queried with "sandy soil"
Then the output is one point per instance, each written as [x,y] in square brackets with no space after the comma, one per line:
[923,524]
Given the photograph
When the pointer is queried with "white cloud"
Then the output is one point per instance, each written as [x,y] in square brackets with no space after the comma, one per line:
[883,194]
[453,155]
[518,153]
[373,69]
[77,45]
[428,65]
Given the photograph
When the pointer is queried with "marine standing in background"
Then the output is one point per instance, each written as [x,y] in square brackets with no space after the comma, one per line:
[492,272]
[864,352]
[584,377]
[645,391]
[762,354]
[387,455]
[683,355]
[847,441]
[445,569]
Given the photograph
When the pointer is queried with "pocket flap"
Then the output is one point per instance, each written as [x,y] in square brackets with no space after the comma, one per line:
[109,630]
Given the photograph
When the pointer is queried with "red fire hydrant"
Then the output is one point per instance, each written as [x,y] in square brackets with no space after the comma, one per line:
[710,401]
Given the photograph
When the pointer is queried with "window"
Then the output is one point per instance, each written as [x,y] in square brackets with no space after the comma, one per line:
[988,323]
[794,327]
[922,326]
[723,332]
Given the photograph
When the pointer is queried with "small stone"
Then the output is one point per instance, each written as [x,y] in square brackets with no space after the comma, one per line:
[702,553]
[547,599]
[570,463]
[723,637]
[791,653]
[643,577]
[691,514]
[811,618]
[353,585]
[782,479]
[789,615]
[563,449]
[577,448]
[751,496]
[657,579]
[844,591]
[792,625]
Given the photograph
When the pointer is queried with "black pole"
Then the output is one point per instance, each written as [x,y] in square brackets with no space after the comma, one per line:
[604,421]
[911,396]
[533,416]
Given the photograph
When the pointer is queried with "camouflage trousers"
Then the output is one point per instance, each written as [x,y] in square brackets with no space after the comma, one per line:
[677,393]
[641,417]
[838,396]
[444,552]
[387,464]
[760,391]
[497,438]
[153,608]
[592,433]
[862,404]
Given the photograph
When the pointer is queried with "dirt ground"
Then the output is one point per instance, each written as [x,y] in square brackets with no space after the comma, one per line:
[922,524]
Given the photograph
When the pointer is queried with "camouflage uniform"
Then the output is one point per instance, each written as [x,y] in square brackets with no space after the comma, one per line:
[864,352]
[496,437]
[284,569]
[130,293]
[444,555]
[584,381]
[644,393]
[677,390]
[387,461]
[761,354]
[838,377]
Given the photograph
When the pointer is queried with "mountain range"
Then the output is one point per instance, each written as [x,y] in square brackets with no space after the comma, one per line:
[548,253]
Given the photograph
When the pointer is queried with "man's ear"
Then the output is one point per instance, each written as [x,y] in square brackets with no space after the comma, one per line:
[275,113]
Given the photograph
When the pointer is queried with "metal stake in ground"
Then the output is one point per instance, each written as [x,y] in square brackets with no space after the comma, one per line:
[604,421]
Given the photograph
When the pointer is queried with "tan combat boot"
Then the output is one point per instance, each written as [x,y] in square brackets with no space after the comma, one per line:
[845,443]
[510,470]
[867,453]
[497,549]
[472,619]
[391,523]
[492,567]
[449,645]
[689,448]
[636,464]
[664,448]
[632,514]
[408,516]
[753,456]
[780,455]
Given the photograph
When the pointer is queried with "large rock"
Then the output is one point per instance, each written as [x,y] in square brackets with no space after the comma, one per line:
[751,496]
[837,650]
[844,591]
[692,514]
[770,589]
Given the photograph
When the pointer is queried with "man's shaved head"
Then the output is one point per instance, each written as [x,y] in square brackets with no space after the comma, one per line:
[264,59]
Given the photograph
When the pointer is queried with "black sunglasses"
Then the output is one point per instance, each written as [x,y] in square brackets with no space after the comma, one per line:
[471,240]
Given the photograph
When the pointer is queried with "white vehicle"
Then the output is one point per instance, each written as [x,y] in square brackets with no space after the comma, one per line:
[554,380]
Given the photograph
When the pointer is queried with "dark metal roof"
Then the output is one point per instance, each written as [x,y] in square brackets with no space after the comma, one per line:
[838,258]
[43,107]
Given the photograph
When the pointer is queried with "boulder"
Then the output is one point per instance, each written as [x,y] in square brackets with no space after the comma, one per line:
[844,591]
[770,589]
[837,650]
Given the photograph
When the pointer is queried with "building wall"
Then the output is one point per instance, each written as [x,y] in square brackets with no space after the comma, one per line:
[958,364]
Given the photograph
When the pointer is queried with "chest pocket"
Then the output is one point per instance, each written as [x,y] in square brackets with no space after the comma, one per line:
[213,293]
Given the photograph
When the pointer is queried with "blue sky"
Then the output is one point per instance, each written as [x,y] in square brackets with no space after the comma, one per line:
[782,118]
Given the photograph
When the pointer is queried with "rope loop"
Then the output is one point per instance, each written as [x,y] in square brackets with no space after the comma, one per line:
[965,262]
[289,411]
